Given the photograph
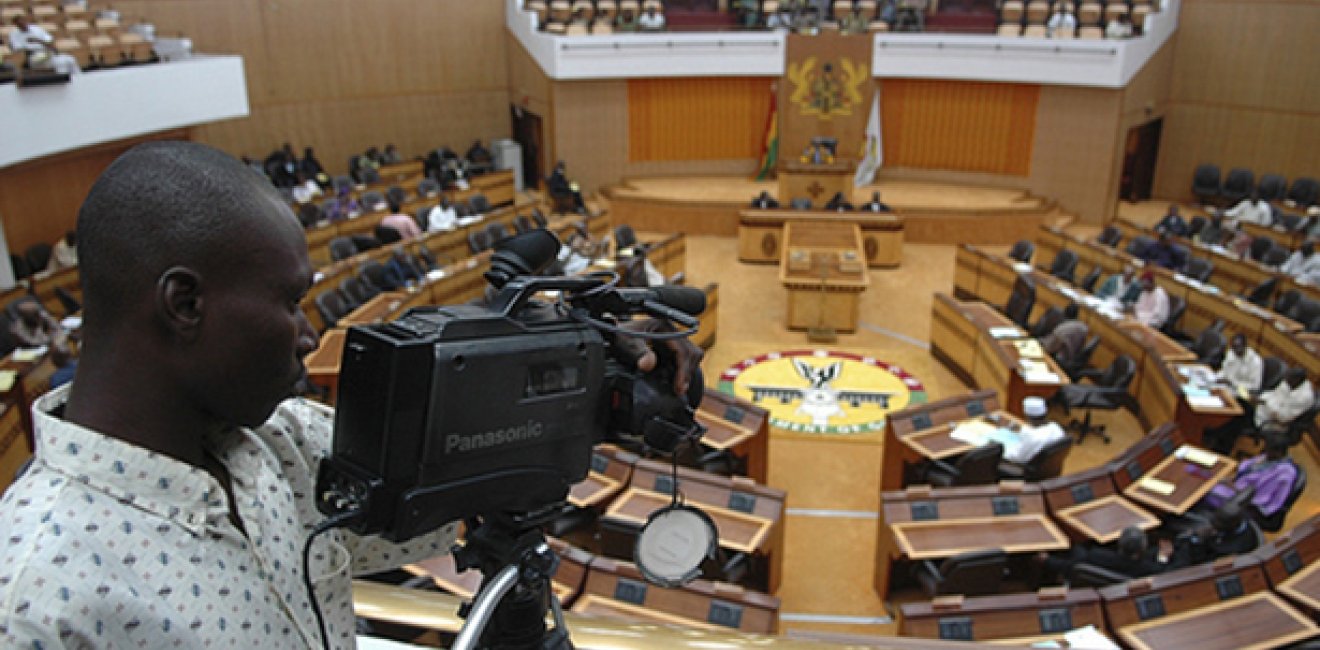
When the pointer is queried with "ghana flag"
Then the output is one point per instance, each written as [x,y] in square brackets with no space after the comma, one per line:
[770,146]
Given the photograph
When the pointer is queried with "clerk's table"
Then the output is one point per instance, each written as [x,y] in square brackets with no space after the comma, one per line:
[823,267]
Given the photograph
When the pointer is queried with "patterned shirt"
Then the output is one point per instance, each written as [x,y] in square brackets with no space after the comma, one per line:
[109,545]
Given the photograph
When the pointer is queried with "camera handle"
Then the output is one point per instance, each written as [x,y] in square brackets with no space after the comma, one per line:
[516,564]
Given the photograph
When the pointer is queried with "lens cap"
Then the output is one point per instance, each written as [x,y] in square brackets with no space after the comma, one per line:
[673,544]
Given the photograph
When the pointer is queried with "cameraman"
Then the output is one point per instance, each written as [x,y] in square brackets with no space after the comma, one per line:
[172,489]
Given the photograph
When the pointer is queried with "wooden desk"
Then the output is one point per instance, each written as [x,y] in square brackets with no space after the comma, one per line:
[1104,519]
[1255,622]
[927,540]
[738,531]
[826,290]
[760,234]
[1303,587]
[1189,486]
[927,426]
[377,310]
[324,362]
[618,588]
[816,182]
[739,427]
[1003,616]
[611,469]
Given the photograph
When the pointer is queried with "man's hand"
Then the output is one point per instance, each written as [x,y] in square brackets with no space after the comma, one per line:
[685,354]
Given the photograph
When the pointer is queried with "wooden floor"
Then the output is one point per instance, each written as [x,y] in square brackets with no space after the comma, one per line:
[833,492]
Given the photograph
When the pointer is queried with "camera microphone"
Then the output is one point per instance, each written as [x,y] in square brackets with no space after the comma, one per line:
[527,253]
[685,299]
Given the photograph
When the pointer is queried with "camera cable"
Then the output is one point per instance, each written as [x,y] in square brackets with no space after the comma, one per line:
[331,523]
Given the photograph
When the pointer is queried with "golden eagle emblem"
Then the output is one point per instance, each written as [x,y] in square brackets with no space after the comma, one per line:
[832,91]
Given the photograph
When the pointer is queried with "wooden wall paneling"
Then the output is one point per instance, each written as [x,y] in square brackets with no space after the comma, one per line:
[1076,142]
[959,125]
[591,130]
[1265,141]
[714,118]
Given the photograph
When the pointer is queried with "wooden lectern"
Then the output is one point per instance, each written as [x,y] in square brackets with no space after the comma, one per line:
[816,182]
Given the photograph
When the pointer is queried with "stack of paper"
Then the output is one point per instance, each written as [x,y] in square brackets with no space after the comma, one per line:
[7,378]
[1088,638]
[1037,372]
[1006,332]
[1029,348]
[1205,402]
[973,432]
[1162,488]
[1199,456]
[25,355]
[1022,267]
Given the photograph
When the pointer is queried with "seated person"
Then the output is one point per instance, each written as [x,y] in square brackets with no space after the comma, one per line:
[874,205]
[1292,397]
[1062,24]
[479,157]
[854,23]
[312,169]
[1131,556]
[1121,288]
[442,217]
[1068,338]
[576,253]
[781,21]
[651,21]
[66,364]
[39,46]
[1152,306]
[1252,209]
[838,203]
[1227,533]
[626,21]
[405,225]
[1036,434]
[1271,473]
[764,201]
[64,255]
[1214,231]
[1164,253]
[559,185]
[1304,264]
[402,267]
[391,155]
[1242,366]
[1119,27]
[1173,222]
[34,326]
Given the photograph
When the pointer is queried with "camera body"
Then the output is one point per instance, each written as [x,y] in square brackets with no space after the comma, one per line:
[454,412]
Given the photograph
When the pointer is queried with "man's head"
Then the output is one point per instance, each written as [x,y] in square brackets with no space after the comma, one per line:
[1276,440]
[1227,518]
[71,239]
[198,267]
[1239,344]
[21,22]
[1071,311]
[1132,542]
[1295,376]
[1034,408]
[1174,210]
[1308,248]
[1147,281]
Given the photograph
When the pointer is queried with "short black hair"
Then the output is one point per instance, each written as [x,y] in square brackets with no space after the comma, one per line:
[159,205]
[1071,311]
[1132,542]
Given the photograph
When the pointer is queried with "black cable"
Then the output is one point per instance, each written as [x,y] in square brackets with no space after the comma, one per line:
[336,521]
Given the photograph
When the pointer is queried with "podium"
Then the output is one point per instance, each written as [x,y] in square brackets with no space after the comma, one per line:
[817,182]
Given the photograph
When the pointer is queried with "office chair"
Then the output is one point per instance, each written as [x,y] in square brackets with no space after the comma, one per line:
[479,204]
[332,307]
[1137,246]
[478,240]
[428,188]
[1089,575]
[1206,185]
[624,237]
[373,201]
[522,224]
[357,291]
[1304,191]
[1260,294]
[1275,257]
[1199,269]
[1045,465]
[1196,225]
[1237,185]
[1177,307]
[1271,187]
[979,466]
[1260,246]
[1272,371]
[1108,393]
[1021,301]
[496,232]
[38,256]
[1079,363]
[309,214]
[1048,320]
[342,248]
[1090,279]
[975,573]
[1022,250]
[1064,265]
[1210,347]
[1274,522]
[1110,236]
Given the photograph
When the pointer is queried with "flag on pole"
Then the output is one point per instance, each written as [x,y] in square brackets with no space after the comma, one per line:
[873,149]
[770,146]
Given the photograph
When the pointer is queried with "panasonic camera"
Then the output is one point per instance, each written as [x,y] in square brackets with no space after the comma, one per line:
[459,411]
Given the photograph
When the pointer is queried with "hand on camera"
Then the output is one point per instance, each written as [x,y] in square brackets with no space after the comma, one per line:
[682,353]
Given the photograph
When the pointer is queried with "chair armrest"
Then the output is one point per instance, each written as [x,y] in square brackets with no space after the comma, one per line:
[1011,470]
[941,474]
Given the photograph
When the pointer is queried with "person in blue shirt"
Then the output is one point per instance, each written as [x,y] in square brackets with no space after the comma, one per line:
[1164,253]
[1121,287]
[1173,223]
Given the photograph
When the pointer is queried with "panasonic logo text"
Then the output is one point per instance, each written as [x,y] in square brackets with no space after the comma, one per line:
[458,442]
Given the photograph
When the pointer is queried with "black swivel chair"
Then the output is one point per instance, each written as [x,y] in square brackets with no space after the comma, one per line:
[309,214]
[397,194]
[332,307]
[478,240]
[1275,257]
[1205,183]
[1082,575]
[1274,522]
[1290,222]
[1196,225]
[1045,465]
[1238,185]
[1110,236]
[1286,303]
[1079,363]
[1064,265]
[1304,191]
[496,232]
[342,248]
[1271,373]
[1022,250]
[1260,246]
[38,257]
[1049,319]
[1260,294]
[1108,393]
[428,188]
[1090,279]
[1199,269]
[976,573]
[1210,347]
[357,292]
[522,224]
[373,201]
[376,275]
[1137,245]
[1271,187]
[1021,301]
[979,466]
[479,204]
[1177,307]
[624,237]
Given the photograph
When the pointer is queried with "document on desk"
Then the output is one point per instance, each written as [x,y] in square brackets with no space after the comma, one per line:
[1198,456]
[980,432]
[24,355]
[1006,332]
[1089,638]
[1037,372]
[1162,488]
[1029,348]
[1205,401]
[7,379]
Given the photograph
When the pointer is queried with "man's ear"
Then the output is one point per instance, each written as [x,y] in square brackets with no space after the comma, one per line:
[179,300]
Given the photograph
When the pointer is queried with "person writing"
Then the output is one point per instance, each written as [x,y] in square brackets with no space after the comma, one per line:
[403,224]
[39,46]
[1303,265]
[1068,337]
[1292,397]
[175,473]
[1252,209]
[442,217]
[1152,306]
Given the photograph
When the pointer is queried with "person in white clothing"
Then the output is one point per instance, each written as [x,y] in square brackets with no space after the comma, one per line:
[1119,27]
[1037,434]
[1152,307]
[1288,400]
[651,21]
[40,48]
[1252,209]
[1304,264]
[1062,23]
[1242,367]
[442,217]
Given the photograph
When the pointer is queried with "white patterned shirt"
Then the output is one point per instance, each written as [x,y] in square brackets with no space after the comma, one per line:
[104,544]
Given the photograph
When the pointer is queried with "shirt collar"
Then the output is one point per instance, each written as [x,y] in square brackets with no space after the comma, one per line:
[171,489]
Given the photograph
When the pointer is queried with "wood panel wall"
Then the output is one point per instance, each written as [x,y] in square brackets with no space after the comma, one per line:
[1245,91]
[696,119]
[959,126]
